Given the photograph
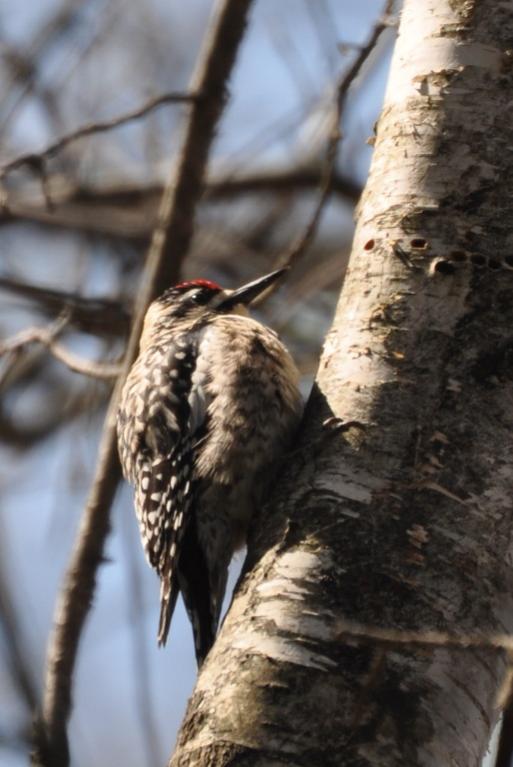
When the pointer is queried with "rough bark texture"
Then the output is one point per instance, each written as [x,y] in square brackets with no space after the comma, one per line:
[400,522]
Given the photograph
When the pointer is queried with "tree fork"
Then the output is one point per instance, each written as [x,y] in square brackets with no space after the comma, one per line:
[370,623]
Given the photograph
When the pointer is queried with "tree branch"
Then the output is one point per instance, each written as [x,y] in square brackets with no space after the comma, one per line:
[24,65]
[300,245]
[92,315]
[169,245]
[36,160]
[130,212]
[11,635]
[47,337]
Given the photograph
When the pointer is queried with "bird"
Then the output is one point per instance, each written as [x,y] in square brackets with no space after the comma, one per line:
[206,417]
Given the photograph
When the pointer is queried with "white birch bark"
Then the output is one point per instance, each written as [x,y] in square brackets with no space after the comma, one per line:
[397,527]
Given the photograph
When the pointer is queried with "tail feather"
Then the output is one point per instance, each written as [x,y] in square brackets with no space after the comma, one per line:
[190,575]
[203,624]
[168,597]
[195,585]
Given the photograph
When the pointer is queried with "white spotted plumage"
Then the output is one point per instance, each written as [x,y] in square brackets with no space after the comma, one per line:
[206,412]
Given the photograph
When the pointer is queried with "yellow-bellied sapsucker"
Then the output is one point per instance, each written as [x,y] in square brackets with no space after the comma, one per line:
[207,410]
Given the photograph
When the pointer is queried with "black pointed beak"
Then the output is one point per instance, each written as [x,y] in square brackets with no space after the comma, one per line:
[247,293]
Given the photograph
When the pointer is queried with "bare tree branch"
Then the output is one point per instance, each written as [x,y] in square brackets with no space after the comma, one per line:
[104,371]
[22,66]
[168,249]
[13,347]
[36,161]
[287,180]
[25,434]
[93,315]
[18,664]
[143,700]
[29,335]
[300,245]
[130,212]
[46,337]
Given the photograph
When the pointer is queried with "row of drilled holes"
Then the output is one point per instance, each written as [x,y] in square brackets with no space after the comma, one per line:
[458,256]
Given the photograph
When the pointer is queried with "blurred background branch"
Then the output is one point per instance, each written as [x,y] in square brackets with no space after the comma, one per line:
[303,241]
[35,161]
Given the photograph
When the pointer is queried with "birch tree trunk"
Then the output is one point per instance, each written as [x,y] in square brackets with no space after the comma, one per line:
[369,625]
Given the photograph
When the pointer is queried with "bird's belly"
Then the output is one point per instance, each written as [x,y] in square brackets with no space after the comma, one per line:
[243,469]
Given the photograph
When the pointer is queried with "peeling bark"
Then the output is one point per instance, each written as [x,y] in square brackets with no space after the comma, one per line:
[369,623]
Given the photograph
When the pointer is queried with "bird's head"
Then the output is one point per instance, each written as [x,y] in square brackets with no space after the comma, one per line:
[191,301]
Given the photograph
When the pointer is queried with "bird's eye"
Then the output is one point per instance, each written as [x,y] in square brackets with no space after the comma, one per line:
[199,297]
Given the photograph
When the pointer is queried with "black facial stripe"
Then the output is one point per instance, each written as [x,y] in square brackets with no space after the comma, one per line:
[187,301]
[185,293]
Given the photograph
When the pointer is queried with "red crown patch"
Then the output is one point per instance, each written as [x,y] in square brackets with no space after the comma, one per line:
[198,284]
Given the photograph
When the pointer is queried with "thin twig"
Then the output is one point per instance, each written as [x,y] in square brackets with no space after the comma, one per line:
[23,435]
[30,335]
[46,337]
[18,661]
[129,212]
[282,181]
[13,347]
[144,703]
[169,246]
[300,245]
[36,160]
[104,371]
[25,65]
[101,316]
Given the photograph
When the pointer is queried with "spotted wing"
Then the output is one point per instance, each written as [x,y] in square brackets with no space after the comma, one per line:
[171,425]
